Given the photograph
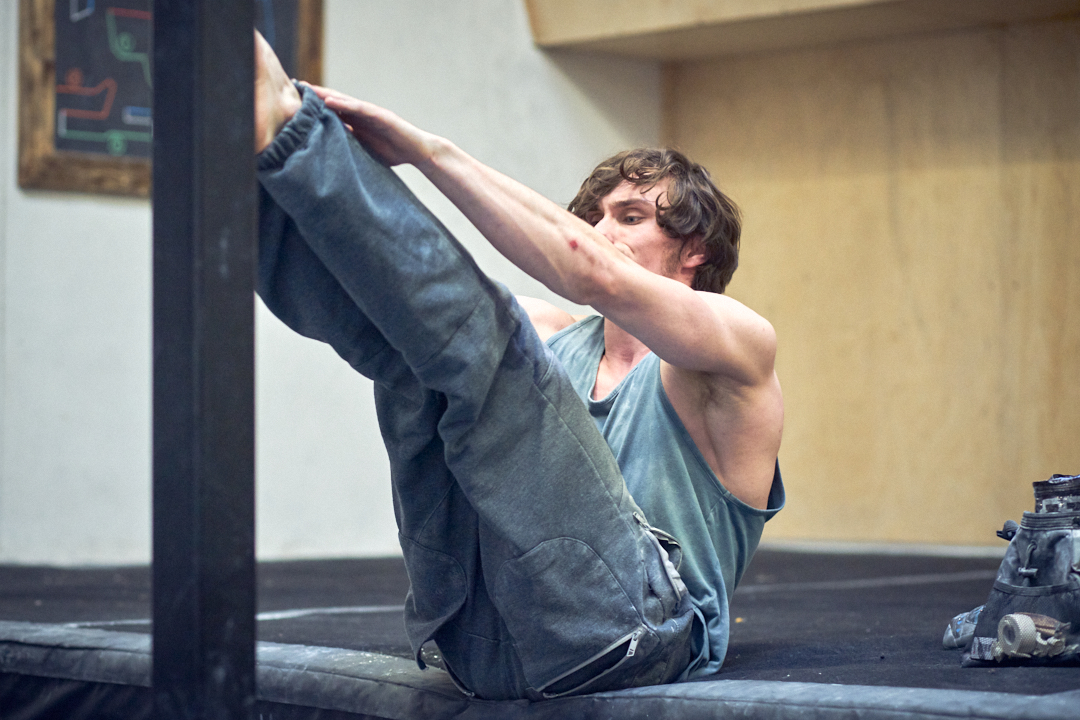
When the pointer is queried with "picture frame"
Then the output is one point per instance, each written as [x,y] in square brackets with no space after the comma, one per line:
[42,166]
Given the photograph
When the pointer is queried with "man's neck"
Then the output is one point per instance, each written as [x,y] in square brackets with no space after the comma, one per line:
[622,352]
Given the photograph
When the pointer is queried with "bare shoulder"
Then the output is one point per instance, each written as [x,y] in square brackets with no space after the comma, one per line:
[731,403]
[546,318]
[741,342]
[742,319]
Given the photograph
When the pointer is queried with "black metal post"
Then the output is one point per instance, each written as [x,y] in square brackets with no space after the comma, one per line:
[203,438]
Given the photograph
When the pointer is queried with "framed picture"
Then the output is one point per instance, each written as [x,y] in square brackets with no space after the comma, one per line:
[85,120]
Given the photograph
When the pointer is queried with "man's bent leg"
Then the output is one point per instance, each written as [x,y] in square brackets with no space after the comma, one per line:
[562,581]
[562,550]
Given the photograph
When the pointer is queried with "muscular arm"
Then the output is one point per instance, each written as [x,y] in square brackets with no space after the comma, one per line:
[695,331]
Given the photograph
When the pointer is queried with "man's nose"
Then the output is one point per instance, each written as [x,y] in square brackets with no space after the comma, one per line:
[606,227]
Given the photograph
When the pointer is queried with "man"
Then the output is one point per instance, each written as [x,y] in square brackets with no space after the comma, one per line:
[532,567]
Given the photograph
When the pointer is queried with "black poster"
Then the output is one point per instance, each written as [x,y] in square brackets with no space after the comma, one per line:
[103,72]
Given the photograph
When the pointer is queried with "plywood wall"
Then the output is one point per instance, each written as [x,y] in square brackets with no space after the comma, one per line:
[913,232]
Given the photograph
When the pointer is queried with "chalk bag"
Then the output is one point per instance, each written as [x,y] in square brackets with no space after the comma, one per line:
[1032,616]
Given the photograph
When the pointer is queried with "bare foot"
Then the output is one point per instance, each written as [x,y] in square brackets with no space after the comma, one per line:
[276,99]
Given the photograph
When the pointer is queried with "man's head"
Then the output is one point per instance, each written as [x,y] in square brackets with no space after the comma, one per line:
[692,210]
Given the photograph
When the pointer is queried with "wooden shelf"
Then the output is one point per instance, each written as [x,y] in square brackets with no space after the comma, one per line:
[688,29]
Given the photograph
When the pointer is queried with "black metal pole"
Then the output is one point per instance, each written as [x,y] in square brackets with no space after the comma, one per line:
[203,438]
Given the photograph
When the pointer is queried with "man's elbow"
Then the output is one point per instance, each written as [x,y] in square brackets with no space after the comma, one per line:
[592,285]
[764,349]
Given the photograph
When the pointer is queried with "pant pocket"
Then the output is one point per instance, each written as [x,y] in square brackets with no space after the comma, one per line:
[663,570]
[594,673]
[564,608]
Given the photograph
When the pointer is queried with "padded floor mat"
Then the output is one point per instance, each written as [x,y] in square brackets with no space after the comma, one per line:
[859,629]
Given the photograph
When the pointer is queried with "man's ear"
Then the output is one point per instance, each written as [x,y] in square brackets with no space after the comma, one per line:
[693,253]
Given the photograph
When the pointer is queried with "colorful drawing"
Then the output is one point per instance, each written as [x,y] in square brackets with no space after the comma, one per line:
[116,141]
[103,77]
[76,14]
[74,86]
[132,115]
[123,44]
[103,81]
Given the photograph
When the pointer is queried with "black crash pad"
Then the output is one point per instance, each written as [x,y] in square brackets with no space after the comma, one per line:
[51,670]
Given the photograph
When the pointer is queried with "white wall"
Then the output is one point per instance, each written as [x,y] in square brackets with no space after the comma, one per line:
[75,362]
[75,295]
[8,138]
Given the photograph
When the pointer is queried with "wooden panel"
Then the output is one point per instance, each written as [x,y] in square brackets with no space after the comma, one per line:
[560,22]
[681,29]
[912,209]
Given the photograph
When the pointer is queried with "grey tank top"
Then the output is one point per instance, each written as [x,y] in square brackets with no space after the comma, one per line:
[668,477]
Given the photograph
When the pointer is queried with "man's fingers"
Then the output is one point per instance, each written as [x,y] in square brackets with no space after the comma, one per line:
[324,93]
[344,103]
[319,89]
[390,138]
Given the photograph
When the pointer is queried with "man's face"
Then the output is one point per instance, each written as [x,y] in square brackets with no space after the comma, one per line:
[627,217]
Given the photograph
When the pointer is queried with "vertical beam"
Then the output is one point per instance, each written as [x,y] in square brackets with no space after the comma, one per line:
[203,466]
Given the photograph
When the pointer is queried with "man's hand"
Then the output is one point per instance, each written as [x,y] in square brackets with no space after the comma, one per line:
[276,99]
[387,136]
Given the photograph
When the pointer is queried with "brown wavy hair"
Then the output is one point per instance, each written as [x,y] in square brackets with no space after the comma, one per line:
[695,209]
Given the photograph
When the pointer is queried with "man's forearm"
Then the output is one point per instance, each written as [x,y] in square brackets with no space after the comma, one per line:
[561,251]
[696,331]
[566,254]
[544,240]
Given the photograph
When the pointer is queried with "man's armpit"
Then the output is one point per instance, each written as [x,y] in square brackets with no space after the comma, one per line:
[545,317]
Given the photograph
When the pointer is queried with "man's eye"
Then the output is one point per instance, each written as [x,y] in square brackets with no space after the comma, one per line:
[631,218]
